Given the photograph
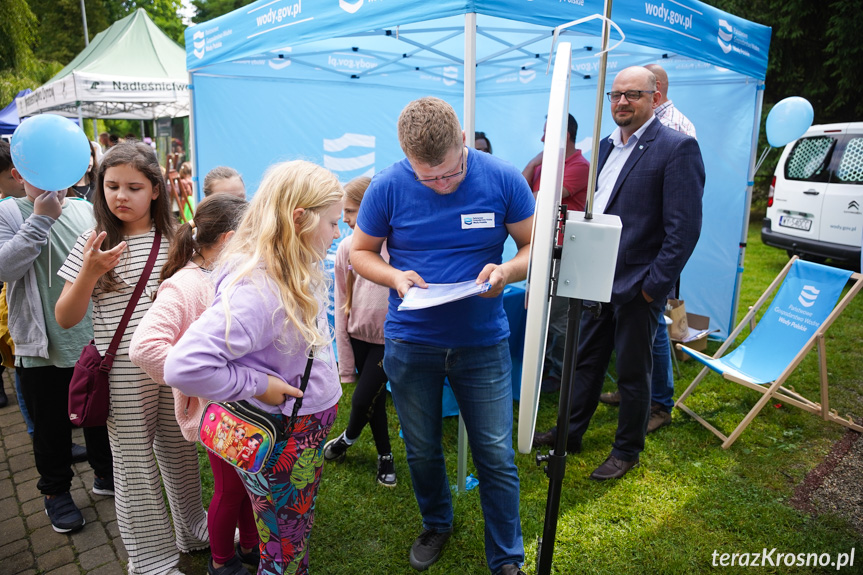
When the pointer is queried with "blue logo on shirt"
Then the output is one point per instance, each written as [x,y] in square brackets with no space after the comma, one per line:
[468,221]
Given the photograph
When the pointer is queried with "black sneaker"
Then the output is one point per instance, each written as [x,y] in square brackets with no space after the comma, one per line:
[335,449]
[386,470]
[511,569]
[233,567]
[427,548]
[64,514]
[103,486]
[79,453]
[253,557]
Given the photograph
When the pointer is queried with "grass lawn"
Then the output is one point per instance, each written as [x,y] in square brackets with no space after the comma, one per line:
[687,498]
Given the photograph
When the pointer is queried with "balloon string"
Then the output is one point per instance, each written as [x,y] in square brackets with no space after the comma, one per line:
[761,159]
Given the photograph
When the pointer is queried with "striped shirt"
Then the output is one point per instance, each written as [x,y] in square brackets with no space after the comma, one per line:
[108,307]
[674,118]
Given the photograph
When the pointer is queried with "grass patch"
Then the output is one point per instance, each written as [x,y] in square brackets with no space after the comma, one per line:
[687,499]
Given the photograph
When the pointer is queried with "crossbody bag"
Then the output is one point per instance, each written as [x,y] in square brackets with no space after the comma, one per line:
[244,435]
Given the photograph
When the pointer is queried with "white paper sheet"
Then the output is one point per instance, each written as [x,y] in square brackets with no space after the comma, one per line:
[437,294]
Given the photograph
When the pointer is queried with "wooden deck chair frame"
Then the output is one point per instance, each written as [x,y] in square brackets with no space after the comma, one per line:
[775,389]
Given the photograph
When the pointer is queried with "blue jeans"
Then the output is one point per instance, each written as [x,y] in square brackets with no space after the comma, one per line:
[480,378]
[662,378]
[28,421]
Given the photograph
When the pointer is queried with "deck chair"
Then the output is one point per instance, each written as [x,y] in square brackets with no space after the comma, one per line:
[804,308]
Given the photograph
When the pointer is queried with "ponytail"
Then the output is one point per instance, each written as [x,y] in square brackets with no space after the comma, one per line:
[181,251]
[215,215]
[349,289]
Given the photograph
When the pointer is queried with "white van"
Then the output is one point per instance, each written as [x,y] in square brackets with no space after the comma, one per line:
[815,202]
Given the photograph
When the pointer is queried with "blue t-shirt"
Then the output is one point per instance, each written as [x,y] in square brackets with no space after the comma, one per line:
[447,239]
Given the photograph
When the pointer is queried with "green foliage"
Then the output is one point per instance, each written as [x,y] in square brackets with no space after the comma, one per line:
[61,27]
[17,34]
[815,52]
[209,9]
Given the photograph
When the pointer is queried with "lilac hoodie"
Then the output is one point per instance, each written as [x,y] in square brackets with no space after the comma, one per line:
[206,364]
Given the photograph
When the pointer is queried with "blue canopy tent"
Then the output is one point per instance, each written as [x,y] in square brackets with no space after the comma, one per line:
[285,79]
[9,115]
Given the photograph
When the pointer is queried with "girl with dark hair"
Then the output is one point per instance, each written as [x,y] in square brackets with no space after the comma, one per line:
[185,292]
[130,207]
[361,307]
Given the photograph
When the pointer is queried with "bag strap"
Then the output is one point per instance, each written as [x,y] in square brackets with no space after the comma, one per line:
[289,426]
[108,361]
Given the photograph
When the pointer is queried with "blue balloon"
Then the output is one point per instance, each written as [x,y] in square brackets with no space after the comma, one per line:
[788,120]
[50,152]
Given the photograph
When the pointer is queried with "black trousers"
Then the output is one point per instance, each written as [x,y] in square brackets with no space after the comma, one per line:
[369,402]
[628,328]
[46,394]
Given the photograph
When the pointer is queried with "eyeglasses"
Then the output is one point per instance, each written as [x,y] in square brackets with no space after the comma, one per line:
[447,177]
[631,95]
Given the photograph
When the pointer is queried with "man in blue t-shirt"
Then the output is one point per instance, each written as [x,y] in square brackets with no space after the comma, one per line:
[445,212]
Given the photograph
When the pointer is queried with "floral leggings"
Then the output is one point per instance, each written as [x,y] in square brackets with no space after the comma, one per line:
[283,495]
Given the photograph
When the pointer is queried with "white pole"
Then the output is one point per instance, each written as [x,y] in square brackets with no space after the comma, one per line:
[469,129]
[84,17]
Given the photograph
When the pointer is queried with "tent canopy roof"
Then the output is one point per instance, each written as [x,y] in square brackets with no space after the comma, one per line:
[131,70]
[133,44]
[267,28]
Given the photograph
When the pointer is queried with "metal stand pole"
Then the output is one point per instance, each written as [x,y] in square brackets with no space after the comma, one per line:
[555,461]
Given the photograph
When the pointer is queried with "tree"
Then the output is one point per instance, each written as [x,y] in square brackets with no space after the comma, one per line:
[19,67]
[61,27]
[17,34]
[209,9]
[815,52]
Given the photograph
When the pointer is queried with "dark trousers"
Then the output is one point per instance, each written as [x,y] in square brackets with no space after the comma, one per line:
[628,328]
[46,393]
[369,402]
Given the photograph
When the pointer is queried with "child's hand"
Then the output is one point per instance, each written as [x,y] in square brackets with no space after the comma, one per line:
[97,261]
[49,204]
[277,390]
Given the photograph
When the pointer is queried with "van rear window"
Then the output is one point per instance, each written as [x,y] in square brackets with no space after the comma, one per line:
[850,169]
[809,159]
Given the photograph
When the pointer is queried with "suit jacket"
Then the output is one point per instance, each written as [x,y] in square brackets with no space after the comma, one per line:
[658,199]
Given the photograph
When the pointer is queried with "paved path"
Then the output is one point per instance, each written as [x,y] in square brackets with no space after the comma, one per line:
[28,543]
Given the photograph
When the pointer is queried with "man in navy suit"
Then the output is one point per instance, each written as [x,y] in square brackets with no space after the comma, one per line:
[652,177]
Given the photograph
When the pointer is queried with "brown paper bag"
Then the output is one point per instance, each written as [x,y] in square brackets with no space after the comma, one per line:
[679,327]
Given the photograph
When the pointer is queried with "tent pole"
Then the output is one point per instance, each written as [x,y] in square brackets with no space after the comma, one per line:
[744,234]
[192,154]
[81,118]
[469,125]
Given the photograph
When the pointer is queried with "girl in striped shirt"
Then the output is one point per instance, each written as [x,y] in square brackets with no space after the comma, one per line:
[130,207]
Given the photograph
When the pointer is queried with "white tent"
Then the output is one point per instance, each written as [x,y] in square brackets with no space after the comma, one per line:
[131,71]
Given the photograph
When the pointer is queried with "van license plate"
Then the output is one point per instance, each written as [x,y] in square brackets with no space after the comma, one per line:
[796,223]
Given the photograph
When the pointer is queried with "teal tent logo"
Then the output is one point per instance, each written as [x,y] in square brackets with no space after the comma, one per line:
[450,75]
[350,7]
[198,42]
[725,35]
[808,295]
[94,86]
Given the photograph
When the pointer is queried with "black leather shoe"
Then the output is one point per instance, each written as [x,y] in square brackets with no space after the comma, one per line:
[547,438]
[612,468]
